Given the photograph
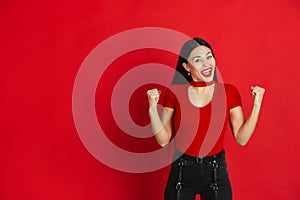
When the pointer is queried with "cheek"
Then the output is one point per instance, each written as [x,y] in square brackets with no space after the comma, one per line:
[212,62]
[194,67]
[197,67]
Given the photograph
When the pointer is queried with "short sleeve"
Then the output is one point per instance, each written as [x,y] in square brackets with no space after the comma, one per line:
[169,99]
[233,97]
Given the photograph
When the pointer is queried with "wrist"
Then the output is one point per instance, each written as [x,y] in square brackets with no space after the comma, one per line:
[152,108]
[257,106]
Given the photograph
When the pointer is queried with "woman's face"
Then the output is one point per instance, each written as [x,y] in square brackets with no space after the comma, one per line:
[201,64]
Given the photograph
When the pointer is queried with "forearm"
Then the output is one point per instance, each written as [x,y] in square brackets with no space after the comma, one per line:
[246,130]
[161,133]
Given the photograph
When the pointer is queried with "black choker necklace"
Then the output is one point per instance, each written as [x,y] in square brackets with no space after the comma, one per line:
[201,83]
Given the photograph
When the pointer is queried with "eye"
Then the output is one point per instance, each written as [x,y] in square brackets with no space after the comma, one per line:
[196,60]
[209,57]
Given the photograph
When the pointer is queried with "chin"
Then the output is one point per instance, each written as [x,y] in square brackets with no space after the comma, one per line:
[208,79]
[202,78]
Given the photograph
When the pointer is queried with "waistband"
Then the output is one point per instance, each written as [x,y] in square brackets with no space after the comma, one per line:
[205,159]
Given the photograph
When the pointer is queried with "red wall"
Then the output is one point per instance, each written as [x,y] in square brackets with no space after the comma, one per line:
[43,45]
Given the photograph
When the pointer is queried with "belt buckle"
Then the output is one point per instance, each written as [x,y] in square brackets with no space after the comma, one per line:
[199,160]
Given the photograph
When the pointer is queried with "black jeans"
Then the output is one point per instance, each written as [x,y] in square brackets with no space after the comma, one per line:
[206,176]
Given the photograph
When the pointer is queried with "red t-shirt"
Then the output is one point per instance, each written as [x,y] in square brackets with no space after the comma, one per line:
[199,131]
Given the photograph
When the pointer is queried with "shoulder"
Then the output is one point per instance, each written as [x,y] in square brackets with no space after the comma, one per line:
[230,88]
[172,94]
[177,88]
[233,95]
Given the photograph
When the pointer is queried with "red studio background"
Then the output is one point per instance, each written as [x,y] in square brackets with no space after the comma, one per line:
[43,44]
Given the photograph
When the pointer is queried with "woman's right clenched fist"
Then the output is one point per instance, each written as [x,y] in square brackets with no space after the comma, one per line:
[153,96]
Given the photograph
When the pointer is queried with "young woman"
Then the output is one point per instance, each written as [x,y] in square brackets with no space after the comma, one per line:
[195,89]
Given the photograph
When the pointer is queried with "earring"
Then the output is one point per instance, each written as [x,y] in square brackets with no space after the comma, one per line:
[189,73]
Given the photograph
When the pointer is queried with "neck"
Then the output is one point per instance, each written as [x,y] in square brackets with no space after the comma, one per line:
[201,83]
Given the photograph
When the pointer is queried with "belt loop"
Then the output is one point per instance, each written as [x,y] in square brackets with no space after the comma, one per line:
[199,160]
[214,184]
[215,164]
[179,183]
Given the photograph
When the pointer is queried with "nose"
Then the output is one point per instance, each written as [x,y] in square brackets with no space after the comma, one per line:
[206,63]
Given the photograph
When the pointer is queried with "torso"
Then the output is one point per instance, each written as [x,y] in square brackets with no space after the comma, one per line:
[200,118]
[200,97]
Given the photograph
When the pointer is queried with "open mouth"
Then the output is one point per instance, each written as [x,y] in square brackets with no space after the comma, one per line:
[207,72]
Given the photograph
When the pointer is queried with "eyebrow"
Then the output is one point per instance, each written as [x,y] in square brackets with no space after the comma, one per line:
[196,57]
[200,56]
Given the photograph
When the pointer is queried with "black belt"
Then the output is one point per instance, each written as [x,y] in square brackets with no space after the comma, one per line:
[206,159]
[185,159]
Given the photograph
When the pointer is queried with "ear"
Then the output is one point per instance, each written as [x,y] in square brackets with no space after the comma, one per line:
[186,67]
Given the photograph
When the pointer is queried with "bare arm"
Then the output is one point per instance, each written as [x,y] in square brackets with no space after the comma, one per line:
[243,129]
[161,127]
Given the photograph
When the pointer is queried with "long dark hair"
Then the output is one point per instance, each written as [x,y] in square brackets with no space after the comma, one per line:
[181,76]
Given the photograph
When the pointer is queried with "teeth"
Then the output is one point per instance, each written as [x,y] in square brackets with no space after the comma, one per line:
[207,71]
